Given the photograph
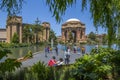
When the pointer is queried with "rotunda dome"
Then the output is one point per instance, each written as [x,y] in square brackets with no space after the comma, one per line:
[73,19]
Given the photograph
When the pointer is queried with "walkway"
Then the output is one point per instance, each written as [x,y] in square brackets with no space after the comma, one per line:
[40,56]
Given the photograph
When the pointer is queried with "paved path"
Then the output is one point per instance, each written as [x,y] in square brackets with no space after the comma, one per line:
[40,56]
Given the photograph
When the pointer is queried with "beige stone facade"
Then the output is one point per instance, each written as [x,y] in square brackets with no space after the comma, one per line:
[3,35]
[14,25]
[76,29]
[46,31]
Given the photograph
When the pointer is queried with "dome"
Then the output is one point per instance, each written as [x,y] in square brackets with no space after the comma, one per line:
[73,19]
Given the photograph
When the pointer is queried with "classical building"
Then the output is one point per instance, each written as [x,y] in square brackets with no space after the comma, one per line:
[15,25]
[3,35]
[46,30]
[73,31]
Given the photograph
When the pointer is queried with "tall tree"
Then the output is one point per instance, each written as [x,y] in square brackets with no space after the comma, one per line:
[38,30]
[11,6]
[28,33]
[52,36]
[92,36]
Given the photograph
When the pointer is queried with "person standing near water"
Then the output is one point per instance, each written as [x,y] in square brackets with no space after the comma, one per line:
[78,50]
[67,57]
[46,50]
[56,49]
[83,50]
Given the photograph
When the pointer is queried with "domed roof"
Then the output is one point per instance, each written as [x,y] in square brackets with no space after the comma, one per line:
[73,19]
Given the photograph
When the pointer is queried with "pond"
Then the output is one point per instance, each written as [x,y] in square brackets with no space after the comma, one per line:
[22,51]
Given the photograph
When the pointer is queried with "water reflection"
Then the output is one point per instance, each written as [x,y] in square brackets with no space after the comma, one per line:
[22,51]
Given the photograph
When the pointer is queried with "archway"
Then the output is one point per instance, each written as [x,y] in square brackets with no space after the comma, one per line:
[74,36]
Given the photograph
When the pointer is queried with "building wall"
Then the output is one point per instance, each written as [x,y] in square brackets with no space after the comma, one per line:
[3,36]
[14,25]
[46,31]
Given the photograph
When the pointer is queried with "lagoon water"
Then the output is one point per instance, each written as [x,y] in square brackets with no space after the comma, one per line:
[22,51]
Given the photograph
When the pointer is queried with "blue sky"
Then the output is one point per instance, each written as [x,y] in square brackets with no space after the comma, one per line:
[33,9]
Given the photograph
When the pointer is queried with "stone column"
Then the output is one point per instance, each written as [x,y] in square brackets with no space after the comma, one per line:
[78,35]
[83,33]
[8,33]
[20,33]
[63,36]
[48,34]
[67,35]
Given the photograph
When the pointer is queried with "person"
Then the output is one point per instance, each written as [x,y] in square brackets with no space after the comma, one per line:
[50,49]
[68,50]
[78,50]
[52,62]
[74,50]
[67,56]
[60,62]
[56,49]
[83,50]
[46,50]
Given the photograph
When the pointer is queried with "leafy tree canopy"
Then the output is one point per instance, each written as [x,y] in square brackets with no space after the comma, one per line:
[92,36]
[11,6]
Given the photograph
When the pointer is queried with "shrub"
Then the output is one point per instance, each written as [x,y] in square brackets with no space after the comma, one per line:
[96,66]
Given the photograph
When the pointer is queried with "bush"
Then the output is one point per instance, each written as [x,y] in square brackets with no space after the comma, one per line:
[29,54]
[96,66]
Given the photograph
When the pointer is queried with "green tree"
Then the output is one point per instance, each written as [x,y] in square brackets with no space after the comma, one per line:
[52,36]
[11,6]
[92,36]
[7,64]
[28,33]
[15,38]
[38,30]
[104,39]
